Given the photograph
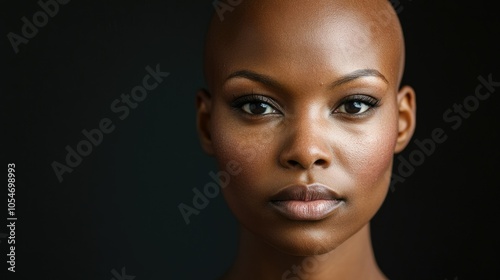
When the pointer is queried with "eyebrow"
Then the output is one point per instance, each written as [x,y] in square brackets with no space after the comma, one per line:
[359,74]
[268,81]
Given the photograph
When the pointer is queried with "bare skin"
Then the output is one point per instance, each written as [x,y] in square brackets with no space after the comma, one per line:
[302,93]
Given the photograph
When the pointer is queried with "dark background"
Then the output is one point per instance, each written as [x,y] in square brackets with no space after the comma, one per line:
[118,208]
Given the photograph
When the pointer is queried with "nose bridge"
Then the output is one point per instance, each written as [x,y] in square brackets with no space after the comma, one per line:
[306,142]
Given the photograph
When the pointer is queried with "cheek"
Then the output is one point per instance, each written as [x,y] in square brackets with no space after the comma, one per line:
[245,146]
[371,157]
[368,158]
[250,149]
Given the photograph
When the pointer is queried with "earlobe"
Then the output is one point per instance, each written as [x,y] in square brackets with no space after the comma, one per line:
[203,114]
[407,117]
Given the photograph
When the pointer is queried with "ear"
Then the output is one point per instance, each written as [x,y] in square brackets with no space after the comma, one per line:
[407,117]
[203,111]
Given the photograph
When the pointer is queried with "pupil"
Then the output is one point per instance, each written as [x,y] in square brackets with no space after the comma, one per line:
[353,107]
[258,108]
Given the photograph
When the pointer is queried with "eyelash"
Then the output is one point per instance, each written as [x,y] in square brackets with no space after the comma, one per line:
[238,103]
[367,100]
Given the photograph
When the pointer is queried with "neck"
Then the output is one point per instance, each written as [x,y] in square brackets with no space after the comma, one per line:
[354,259]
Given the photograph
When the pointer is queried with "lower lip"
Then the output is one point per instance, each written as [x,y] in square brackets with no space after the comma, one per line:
[306,210]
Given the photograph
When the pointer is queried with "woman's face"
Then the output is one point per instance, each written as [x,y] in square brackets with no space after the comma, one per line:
[312,119]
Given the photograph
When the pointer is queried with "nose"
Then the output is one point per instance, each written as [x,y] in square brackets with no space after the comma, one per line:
[306,145]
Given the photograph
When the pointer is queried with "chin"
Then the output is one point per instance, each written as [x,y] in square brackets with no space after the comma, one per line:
[308,238]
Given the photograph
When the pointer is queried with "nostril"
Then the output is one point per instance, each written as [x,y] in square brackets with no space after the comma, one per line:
[294,163]
[320,162]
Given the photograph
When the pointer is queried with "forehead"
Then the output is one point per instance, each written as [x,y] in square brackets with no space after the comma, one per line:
[307,41]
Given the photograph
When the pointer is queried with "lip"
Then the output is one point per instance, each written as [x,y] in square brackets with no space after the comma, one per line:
[306,202]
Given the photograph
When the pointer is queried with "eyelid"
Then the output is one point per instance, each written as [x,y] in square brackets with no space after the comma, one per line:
[369,100]
[253,97]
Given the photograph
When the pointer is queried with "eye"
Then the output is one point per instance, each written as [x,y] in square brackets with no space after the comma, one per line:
[256,105]
[356,105]
[258,108]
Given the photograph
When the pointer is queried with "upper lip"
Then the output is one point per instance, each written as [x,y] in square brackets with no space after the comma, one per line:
[306,193]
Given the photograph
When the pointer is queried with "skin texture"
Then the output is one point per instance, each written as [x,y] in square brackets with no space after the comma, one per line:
[302,92]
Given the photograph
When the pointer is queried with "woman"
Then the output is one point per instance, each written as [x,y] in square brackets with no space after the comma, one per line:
[305,98]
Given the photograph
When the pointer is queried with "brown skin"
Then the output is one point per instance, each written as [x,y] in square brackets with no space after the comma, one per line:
[315,115]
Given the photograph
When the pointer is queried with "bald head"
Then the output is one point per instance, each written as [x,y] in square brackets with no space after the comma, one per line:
[304,38]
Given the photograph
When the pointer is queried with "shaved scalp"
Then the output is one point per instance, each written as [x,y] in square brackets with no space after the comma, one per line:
[362,26]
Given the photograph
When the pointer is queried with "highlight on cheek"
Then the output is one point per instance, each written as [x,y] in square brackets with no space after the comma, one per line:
[373,155]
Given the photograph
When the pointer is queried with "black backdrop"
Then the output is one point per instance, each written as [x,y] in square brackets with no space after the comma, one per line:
[115,215]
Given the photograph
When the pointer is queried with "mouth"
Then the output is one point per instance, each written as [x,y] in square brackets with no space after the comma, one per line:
[306,202]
